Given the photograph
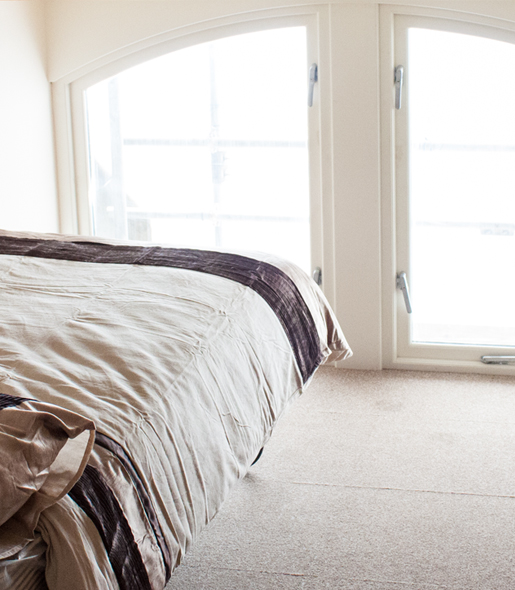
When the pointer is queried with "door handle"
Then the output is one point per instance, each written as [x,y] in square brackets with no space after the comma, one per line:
[402,284]
[313,78]
[399,80]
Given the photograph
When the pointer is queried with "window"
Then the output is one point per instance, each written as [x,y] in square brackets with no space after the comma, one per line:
[454,191]
[206,147]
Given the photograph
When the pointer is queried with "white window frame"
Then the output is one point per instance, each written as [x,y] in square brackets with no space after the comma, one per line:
[398,353]
[69,117]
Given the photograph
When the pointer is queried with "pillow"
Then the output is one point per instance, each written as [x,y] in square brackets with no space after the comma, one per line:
[43,452]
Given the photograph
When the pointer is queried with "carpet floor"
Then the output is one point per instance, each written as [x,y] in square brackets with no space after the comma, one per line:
[374,480]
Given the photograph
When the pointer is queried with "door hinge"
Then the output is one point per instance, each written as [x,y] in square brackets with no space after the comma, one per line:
[498,360]
[399,81]
[317,276]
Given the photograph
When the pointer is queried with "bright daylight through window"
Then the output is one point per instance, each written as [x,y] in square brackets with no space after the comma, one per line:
[206,147]
[462,188]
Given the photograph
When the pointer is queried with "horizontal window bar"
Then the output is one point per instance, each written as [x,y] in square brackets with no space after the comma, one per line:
[224,143]
[135,214]
[465,148]
[486,228]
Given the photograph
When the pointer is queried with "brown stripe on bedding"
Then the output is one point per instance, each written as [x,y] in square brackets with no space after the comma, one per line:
[8,401]
[97,500]
[272,284]
[112,446]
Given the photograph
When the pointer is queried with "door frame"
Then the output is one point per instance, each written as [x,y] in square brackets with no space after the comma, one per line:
[398,352]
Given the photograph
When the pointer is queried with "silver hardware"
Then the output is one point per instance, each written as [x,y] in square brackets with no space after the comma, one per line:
[313,78]
[399,79]
[498,360]
[317,276]
[402,284]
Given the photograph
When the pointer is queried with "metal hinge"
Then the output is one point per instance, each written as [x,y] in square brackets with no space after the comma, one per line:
[399,80]
[313,79]
[498,360]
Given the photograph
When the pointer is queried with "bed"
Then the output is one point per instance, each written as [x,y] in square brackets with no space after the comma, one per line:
[137,385]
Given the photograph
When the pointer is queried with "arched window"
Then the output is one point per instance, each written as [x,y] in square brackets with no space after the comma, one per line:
[206,147]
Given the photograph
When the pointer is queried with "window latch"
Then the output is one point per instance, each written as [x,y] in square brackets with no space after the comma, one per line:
[402,284]
[313,79]
[398,79]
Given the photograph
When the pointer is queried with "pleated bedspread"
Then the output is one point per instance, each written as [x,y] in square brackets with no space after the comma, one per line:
[183,360]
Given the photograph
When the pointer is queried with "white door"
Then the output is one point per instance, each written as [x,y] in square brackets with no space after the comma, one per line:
[454,193]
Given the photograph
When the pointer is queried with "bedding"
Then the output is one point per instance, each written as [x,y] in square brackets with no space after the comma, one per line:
[137,385]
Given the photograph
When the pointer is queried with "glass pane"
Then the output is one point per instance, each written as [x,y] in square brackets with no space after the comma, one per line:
[206,147]
[462,188]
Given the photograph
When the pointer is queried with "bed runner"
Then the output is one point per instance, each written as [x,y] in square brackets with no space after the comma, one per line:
[271,283]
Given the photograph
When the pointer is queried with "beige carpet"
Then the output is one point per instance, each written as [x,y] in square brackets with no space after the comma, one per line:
[373,481]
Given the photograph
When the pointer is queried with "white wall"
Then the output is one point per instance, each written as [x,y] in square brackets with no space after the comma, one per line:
[28,198]
[81,31]
[85,32]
